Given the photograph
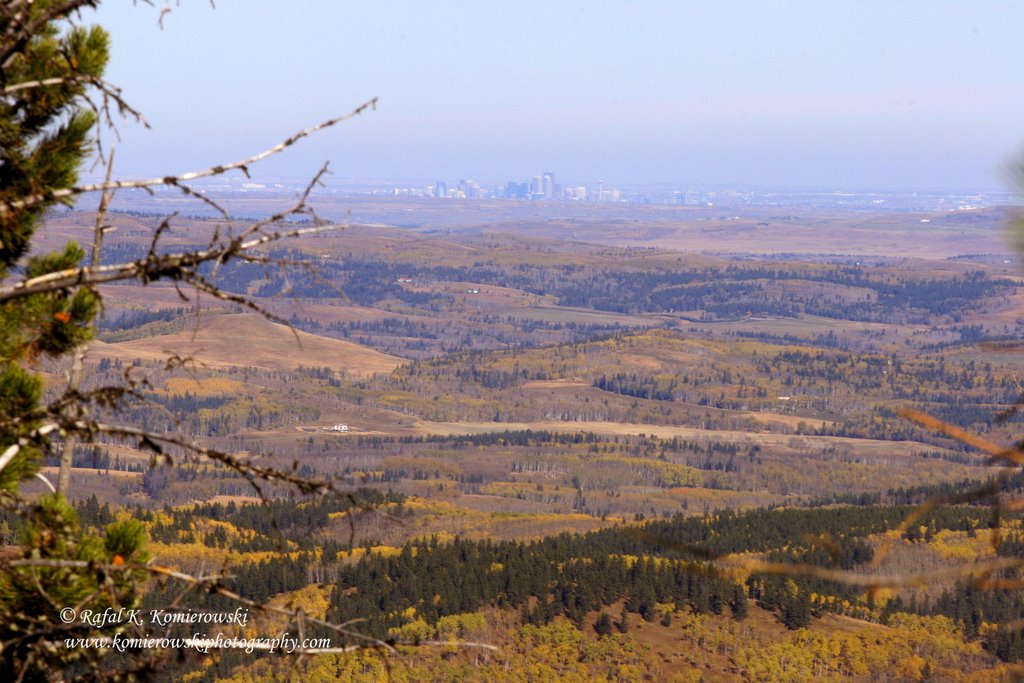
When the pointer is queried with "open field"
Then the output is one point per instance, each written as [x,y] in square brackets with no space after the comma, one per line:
[563,314]
[874,446]
[249,340]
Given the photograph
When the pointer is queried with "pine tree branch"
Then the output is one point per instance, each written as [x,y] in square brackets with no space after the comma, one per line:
[20,31]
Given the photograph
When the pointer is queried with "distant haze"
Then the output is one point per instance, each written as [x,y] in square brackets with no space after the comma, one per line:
[893,95]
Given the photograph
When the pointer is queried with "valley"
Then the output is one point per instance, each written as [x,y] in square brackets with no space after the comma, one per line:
[508,382]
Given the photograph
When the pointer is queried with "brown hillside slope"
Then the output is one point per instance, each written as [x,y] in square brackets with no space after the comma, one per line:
[248,339]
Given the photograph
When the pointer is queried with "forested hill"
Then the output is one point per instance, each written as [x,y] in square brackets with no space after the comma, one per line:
[656,572]
[661,562]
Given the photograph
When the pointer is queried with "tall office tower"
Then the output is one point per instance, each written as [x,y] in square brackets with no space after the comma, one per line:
[549,185]
[536,186]
[440,189]
[516,190]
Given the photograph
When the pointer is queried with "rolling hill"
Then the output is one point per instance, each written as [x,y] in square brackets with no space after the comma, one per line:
[248,339]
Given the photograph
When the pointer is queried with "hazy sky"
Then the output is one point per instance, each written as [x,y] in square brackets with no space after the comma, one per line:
[908,94]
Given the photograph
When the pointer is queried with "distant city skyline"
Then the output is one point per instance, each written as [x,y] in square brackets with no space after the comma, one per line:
[233,190]
[867,95]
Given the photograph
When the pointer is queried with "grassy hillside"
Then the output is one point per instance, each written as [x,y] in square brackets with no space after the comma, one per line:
[250,340]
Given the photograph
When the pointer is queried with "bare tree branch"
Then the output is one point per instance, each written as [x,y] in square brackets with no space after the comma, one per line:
[153,267]
[28,85]
[77,362]
[179,180]
[874,581]
[109,91]
[153,441]
[1009,455]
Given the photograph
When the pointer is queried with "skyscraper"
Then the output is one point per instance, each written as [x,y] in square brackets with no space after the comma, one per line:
[536,186]
[549,185]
